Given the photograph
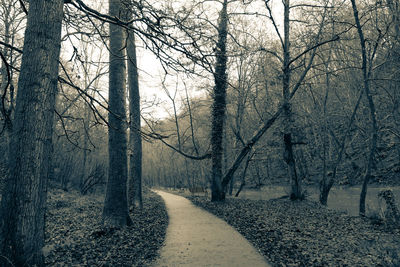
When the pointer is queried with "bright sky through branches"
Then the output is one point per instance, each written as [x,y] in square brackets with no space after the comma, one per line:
[151,73]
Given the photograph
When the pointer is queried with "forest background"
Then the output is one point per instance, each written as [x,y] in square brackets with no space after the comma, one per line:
[243,93]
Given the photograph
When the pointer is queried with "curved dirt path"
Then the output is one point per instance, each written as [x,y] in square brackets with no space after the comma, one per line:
[198,238]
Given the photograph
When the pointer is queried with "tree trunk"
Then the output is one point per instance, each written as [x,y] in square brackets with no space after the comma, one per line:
[374,129]
[6,85]
[249,145]
[218,108]
[231,185]
[135,138]
[242,185]
[22,213]
[295,181]
[86,130]
[326,184]
[115,212]
[225,151]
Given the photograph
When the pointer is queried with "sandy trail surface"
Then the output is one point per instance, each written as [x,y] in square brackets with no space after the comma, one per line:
[198,238]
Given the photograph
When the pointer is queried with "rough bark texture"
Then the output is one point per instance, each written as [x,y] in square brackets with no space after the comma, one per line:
[218,108]
[115,213]
[135,138]
[23,203]
[374,131]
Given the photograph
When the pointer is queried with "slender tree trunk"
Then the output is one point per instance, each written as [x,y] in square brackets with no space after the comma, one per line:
[115,212]
[249,145]
[6,84]
[241,102]
[4,75]
[190,185]
[135,138]
[295,180]
[86,125]
[196,150]
[22,213]
[218,108]
[243,178]
[84,174]
[374,131]
[231,183]
[263,128]
[324,185]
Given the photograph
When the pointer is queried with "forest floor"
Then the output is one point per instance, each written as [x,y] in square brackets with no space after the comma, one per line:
[74,236]
[305,233]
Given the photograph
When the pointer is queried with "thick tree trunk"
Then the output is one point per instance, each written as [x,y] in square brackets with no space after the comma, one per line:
[23,203]
[115,213]
[218,108]
[135,138]
[295,181]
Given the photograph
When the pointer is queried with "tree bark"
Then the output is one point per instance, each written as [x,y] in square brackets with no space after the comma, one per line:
[115,212]
[374,128]
[243,178]
[135,138]
[219,108]
[22,212]
[86,132]
[295,180]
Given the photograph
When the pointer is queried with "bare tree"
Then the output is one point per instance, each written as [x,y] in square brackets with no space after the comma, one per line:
[115,212]
[366,72]
[295,180]
[219,107]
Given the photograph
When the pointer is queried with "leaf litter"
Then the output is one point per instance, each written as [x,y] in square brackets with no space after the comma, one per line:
[305,233]
[75,236]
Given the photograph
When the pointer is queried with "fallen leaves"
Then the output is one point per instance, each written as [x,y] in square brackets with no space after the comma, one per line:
[74,235]
[293,233]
